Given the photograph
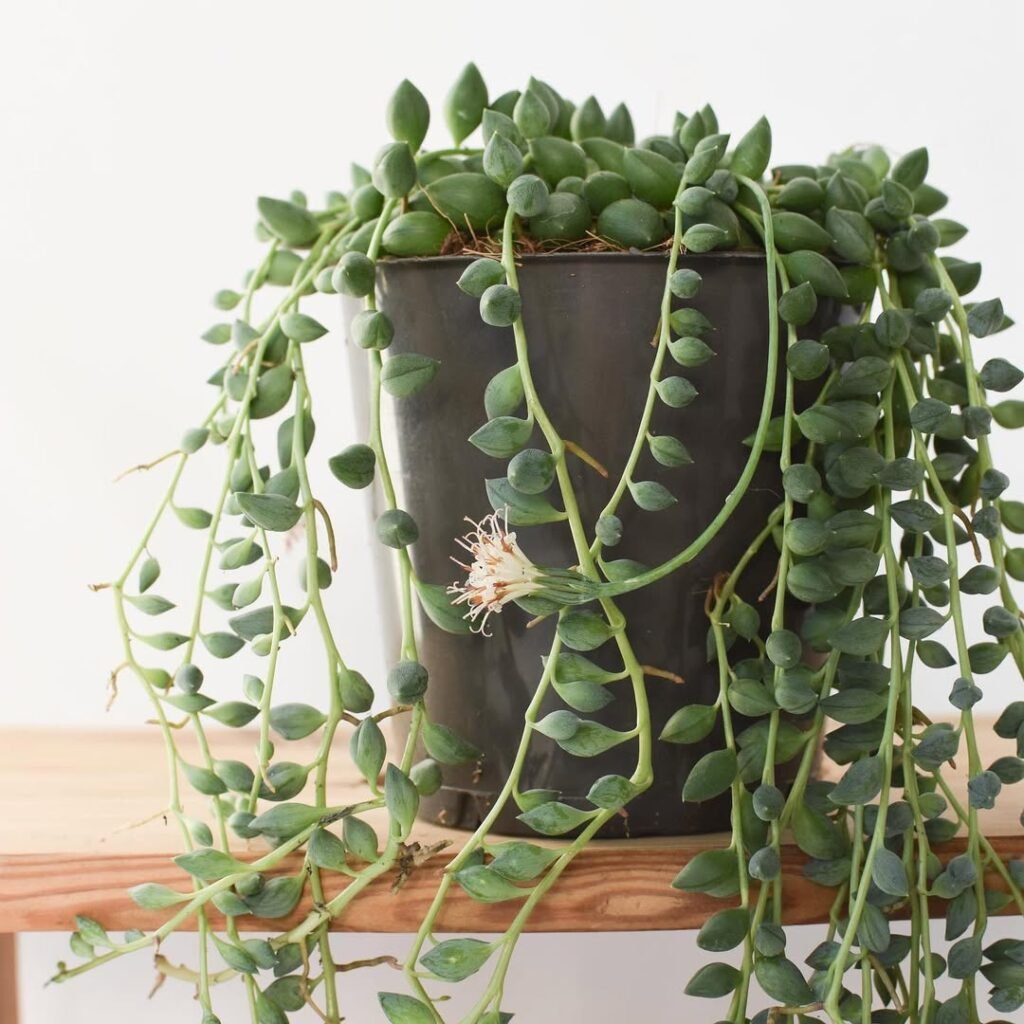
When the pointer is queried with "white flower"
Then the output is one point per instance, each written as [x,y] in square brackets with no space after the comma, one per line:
[500,572]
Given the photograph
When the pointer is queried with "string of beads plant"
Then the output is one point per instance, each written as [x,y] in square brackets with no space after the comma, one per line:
[893,513]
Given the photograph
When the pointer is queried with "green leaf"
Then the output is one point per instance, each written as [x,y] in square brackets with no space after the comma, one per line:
[704,237]
[794,231]
[401,798]
[301,328]
[394,170]
[407,681]
[583,631]
[456,959]
[652,177]
[574,667]
[690,724]
[209,865]
[554,818]
[554,159]
[713,872]
[360,838]
[590,739]
[463,108]
[676,392]
[406,373]
[753,151]
[286,820]
[864,377]
[915,515]
[807,359]
[260,621]
[724,930]
[1000,375]
[521,862]
[840,421]
[150,604]
[401,1009]
[354,466]
[860,637]
[982,790]
[149,573]
[986,318]
[816,834]
[152,896]
[631,223]
[611,792]
[234,713]
[203,780]
[712,775]
[784,648]
[819,271]
[861,783]
[295,721]
[918,623]
[193,518]
[475,280]
[436,603]
[504,392]
[889,873]
[751,698]
[267,1011]
[368,749]
[712,981]
[164,641]
[522,509]
[798,305]
[502,160]
[277,897]
[395,528]
[446,746]
[235,957]
[531,114]
[853,237]
[854,706]
[939,744]
[486,885]
[669,451]
[929,414]
[469,200]
[270,511]
[408,115]
[502,437]
[292,224]
[911,168]
[929,570]
[222,645]
[650,495]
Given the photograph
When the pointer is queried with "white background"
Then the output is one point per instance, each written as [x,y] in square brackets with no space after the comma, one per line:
[135,138]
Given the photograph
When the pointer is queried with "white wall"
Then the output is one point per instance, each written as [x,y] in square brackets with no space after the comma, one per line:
[135,138]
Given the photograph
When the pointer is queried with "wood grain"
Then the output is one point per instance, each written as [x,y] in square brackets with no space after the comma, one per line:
[63,850]
[8,979]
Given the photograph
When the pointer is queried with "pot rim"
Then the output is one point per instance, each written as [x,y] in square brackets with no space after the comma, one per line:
[723,256]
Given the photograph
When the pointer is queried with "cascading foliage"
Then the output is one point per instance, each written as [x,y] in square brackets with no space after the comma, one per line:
[893,511]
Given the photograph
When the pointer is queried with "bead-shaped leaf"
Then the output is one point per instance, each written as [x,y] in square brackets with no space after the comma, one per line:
[270,511]
[406,373]
[456,959]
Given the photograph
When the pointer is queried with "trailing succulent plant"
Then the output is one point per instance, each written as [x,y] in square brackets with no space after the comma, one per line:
[893,512]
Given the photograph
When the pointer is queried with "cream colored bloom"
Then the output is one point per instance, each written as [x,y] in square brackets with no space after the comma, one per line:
[499,572]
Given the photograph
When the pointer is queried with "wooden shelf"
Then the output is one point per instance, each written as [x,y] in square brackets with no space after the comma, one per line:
[65,848]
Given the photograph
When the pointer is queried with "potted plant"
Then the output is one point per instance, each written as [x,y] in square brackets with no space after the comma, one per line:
[623,310]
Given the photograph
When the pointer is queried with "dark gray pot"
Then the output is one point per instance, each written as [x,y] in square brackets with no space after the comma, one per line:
[590,319]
